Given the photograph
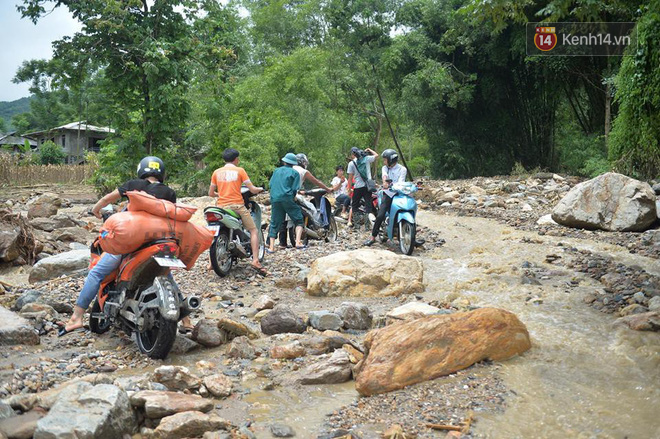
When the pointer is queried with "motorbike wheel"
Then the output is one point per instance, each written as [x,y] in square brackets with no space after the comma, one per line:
[98,325]
[219,254]
[157,342]
[406,237]
[332,230]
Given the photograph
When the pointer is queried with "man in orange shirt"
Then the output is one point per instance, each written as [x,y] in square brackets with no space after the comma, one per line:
[226,184]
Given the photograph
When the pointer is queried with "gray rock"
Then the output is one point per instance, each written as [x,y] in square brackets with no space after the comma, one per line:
[355,315]
[72,234]
[656,188]
[28,296]
[189,424]
[85,411]
[15,330]
[208,334]
[280,320]
[610,202]
[58,265]
[9,242]
[281,430]
[21,427]
[263,302]
[159,404]
[333,370]
[325,320]
[241,348]
[176,378]
[44,205]
[52,223]
[6,411]
[654,303]
[183,345]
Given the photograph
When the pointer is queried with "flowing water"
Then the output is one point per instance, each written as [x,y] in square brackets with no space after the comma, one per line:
[583,377]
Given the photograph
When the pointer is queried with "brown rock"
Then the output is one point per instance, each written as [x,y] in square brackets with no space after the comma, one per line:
[241,348]
[218,385]
[426,348]
[353,354]
[188,425]
[73,234]
[648,321]
[236,329]
[263,302]
[158,404]
[333,370]
[288,351]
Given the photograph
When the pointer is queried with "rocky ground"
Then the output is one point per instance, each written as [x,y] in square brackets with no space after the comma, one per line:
[241,375]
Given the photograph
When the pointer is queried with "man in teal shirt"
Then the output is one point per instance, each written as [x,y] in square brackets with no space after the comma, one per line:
[283,188]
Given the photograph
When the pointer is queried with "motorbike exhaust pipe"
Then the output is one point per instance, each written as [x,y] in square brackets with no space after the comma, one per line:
[312,233]
[193,302]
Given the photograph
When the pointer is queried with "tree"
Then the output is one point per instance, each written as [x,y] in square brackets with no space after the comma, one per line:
[51,154]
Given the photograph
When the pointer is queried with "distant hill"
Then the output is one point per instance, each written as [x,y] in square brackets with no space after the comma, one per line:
[8,109]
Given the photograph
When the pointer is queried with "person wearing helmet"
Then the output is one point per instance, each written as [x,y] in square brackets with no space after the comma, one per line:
[284,185]
[151,173]
[305,175]
[359,171]
[392,172]
[226,185]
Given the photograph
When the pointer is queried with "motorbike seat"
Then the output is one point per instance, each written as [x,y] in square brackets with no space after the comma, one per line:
[222,210]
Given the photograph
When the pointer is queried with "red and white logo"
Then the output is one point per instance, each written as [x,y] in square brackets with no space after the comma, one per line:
[545,38]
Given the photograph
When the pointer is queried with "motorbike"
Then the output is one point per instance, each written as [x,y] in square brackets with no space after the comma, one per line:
[400,220]
[232,241]
[319,222]
[142,297]
[360,217]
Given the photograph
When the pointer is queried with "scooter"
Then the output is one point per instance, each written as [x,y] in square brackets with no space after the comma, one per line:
[232,241]
[319,222]
[400,220]
[142,297]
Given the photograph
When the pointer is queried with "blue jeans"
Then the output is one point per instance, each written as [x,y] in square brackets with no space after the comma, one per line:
[104,267]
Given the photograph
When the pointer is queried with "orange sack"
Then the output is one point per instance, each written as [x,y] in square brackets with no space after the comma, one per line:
[125,232]
[142,201]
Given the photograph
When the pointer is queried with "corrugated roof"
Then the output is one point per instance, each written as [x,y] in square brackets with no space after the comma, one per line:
[11,139]
[82,125]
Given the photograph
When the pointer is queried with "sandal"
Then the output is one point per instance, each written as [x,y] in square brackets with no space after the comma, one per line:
[185,329]
[260,270]
[62,331]
[301,247]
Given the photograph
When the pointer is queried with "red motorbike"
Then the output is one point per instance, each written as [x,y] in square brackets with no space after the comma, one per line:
[141,296]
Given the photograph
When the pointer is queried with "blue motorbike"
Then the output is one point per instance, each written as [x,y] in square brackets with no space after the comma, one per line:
[400,221]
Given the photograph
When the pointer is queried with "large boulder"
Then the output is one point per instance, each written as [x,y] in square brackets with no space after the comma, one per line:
[610,202]
[15,330]
[73,234]
[280,320]
[44,205]
[58,265]
[365,272]
[426,348]
[86,411]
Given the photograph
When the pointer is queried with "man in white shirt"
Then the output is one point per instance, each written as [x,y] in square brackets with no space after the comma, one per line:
[392,172]
[359,171]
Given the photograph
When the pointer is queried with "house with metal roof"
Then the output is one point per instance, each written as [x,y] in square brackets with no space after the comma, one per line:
[15,143]
[76,139]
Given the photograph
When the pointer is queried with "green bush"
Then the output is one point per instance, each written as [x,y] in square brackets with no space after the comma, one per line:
[579,153]
[51,154]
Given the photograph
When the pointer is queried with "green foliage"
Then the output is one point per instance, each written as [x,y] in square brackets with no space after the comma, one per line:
[51,154]
[635,137]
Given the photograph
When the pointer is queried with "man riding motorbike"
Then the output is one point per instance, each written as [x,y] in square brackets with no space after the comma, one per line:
[151,173]
[226,184]
[392,172]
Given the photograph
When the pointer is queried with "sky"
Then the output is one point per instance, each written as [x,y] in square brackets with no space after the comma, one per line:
[20,40]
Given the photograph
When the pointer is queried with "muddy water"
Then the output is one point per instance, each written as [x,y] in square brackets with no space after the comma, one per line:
[583,378]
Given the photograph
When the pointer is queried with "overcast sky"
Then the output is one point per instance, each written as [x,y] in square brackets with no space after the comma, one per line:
[21,40]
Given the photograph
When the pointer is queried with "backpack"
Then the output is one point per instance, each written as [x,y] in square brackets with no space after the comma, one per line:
[361,165]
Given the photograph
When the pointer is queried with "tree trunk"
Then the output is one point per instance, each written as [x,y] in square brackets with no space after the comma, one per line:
[608,115]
